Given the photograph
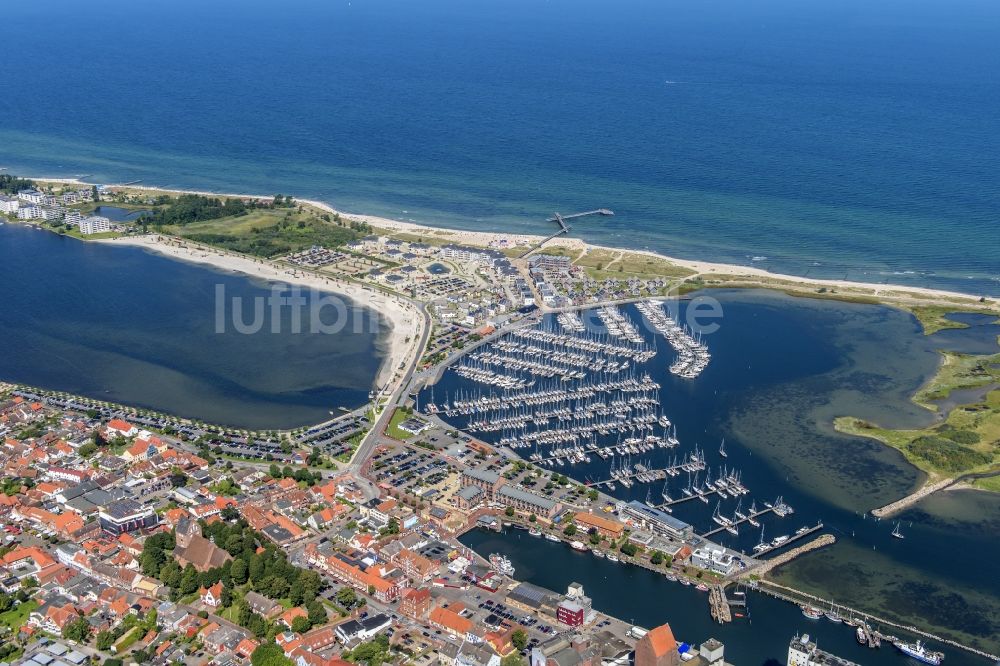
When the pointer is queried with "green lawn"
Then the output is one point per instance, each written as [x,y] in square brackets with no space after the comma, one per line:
[393,430]
[126,641]
[267,233]
[18,615]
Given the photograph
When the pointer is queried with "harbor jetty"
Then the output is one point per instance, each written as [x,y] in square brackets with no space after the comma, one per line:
[911,499]
[765,566]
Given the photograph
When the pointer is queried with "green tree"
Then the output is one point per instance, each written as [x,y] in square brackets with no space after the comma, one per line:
[238,572]
[347,598]
[317,614]
[296,594]
[301,625]
[657,558]
[105,640]
[509,511]
[269,654]
[170,574]
[570,530]
[513,659]
[257,567]
[189,580]
[519,639]
[311,584]
[78,630]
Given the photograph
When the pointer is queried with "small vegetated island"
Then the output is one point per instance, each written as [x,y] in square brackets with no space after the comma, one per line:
[966,441]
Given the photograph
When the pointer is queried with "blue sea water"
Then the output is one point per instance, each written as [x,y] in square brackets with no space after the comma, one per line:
[840,139]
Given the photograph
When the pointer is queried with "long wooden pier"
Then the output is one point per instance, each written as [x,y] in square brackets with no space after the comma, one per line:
[563,227]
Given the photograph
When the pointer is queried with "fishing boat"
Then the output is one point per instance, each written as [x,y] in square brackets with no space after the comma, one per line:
[919,652]
[896,533]
[598,553]
[812,613]
[501,564]
[859,635]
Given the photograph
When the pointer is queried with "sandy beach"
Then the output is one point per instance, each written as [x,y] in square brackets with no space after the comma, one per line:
[886,292]
[401,315]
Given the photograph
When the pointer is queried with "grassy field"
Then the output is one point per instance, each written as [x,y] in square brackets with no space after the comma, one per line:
[959,371]
[393,430]
[934,317]
[267,233]
[126,641]
[18,615]
[968,440]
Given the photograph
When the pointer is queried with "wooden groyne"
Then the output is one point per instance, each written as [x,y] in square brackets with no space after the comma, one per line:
[798,597]
[911,499]
[766,566]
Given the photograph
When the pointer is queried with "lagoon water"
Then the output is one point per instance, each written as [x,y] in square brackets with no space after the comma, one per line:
[125,325]
[782,369]
[841,139]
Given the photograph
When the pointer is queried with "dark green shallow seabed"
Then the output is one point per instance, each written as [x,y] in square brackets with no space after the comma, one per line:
[782,369]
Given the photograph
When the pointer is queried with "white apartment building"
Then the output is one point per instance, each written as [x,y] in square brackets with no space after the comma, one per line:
[29,212]
[94,225]
[31,196]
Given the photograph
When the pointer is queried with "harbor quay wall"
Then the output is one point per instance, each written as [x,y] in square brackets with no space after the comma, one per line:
[799,597]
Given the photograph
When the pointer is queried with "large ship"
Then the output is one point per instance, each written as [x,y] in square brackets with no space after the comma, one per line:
[802,651]
[501,564]
[919,652]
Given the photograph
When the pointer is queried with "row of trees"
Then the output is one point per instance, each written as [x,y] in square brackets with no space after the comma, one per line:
[301,475]
[189,208]
[12,184]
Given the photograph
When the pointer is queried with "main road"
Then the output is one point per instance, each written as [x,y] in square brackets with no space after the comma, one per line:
[398,392]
